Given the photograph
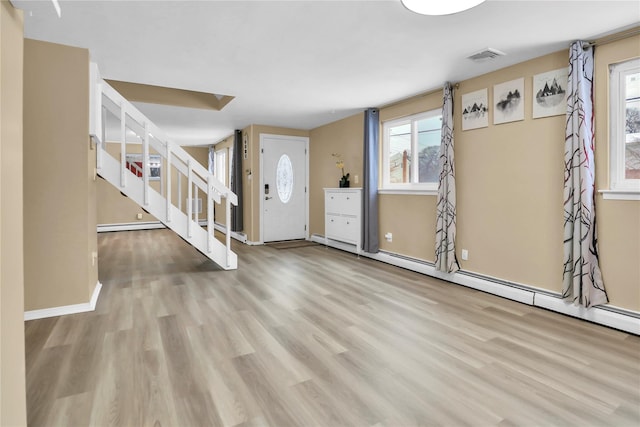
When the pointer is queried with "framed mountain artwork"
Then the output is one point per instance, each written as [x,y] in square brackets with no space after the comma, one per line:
[475,110]
[550,93]
[508,101]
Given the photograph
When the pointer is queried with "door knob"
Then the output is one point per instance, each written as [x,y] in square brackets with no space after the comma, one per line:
[267,197]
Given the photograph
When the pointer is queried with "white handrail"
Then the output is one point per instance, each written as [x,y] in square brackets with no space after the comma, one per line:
[107,99]
[189,198]
[145,163]
[168,179]
[123,146]
[210,227]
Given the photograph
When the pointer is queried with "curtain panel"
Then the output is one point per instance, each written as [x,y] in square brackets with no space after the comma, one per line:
[236,182]
[582,279]
[370,238]
[212,159]
[445,258]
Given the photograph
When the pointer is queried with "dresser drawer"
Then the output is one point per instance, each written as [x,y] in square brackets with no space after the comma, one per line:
[343,203]
[351,229]
[343,211]
[343,228]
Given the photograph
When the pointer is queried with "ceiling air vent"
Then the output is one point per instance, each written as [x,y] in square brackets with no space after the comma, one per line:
[486,55]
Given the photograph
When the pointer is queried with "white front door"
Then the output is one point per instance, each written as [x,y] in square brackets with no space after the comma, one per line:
[283,188]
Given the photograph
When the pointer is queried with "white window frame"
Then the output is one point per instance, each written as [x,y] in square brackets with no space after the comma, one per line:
[221,167]
[413,187]
[230,166]
[619,187]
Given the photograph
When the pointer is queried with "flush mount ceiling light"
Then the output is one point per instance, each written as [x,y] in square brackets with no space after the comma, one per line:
[439,7]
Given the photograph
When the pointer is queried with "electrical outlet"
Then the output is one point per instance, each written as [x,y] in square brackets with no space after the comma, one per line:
[389,237]
[139,216]
[356,179]
[94,258]
[465,255]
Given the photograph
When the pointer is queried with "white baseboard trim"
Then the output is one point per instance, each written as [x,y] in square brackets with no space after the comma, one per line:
[624,320]
[130,226]
[241,237]
[66,309]
[151,225]
[614,319]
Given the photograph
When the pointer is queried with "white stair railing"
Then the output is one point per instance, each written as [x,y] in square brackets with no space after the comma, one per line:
[108,108]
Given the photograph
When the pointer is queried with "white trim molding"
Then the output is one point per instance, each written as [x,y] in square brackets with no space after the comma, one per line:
[240,237]
[408,192]
[620,194]
[624,320]
[151,225]
[66,309]
[130,226]
[607,316]
[621,187]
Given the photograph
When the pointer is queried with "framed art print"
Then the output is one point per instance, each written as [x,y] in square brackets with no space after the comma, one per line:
[508,100]
[475,113]
[550,93]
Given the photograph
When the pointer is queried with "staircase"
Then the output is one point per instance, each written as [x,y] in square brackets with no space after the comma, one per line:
[137,158]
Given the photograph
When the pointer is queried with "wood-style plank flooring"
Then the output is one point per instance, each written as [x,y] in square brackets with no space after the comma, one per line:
[314,337]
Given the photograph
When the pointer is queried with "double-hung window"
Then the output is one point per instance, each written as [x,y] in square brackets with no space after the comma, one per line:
[624,127]
[411,151]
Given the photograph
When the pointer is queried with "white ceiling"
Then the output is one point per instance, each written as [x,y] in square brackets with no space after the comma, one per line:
[302,64]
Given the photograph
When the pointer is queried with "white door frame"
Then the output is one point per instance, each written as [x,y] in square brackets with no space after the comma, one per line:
[261,191]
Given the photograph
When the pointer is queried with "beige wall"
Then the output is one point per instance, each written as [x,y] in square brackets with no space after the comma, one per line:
[251,181]
[618,221]
[13,410]
[115,208]
[344,137]
[509,187]
[396,211]
[59,186]
[201,155]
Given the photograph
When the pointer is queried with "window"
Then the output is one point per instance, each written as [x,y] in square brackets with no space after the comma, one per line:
[221,166]
[411,151]
[625,128]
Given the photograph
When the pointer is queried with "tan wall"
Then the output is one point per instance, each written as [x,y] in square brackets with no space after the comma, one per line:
[58,180]
[396,211]
[618,221]
[344,137]
[114,208]
[509,187]
[13,410]
[201,155]
[252,182]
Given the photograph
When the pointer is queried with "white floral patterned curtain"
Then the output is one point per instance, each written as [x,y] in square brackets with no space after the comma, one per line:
[446,207]
[582,280]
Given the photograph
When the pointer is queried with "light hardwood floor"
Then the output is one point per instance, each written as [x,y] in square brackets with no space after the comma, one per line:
[314,337]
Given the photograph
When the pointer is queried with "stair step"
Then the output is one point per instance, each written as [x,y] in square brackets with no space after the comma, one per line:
[157,206]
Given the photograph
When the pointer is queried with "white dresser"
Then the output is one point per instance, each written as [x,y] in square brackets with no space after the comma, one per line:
[343,215]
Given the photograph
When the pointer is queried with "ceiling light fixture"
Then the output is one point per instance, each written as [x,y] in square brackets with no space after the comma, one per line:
[439,7]
[56,6]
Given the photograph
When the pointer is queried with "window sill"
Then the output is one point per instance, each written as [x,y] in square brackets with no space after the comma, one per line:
[620,194]
[408,192]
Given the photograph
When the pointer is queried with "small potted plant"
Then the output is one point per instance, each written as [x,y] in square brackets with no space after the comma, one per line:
[344,180]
